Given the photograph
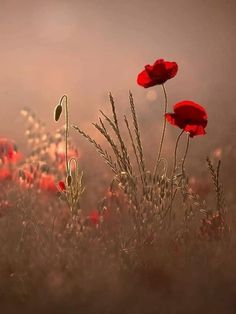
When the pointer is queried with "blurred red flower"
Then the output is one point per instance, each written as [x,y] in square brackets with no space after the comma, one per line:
[14,157]
[5,174]
[26,177]
[94,217]
[62,186]
[189,116]
[158,73]
[8,151]
[47,183]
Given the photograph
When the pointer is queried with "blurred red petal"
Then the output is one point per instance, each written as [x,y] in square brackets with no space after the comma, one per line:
[144,80]
[170,117]
[94,217]
[62,186]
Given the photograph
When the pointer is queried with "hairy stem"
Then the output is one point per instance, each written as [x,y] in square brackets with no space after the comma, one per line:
[65,104]
[173,173]
[175,153]
[163,131]
[186,152]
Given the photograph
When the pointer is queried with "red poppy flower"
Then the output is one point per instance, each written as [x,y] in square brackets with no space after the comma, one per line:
[189,116]
[62,186]
[14,157]
[5,174]
[7,150]
[158,73]
[94,217]
[47,183]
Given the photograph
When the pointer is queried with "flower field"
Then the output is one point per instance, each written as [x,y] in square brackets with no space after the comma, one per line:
[160,240]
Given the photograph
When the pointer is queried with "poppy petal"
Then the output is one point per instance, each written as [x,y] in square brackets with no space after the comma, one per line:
[190,111]
[171,118]
[195,130]
[144,80]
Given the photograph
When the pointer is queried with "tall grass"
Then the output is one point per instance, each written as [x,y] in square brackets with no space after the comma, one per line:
[151,245]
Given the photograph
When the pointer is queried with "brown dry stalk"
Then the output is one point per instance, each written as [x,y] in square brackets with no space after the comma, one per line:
[138,139]
[118,134]
[103,153]
[215,173]
[134,147]
[120,161]
[158,192]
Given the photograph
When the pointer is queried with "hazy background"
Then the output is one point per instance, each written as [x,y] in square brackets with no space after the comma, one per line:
[88,48]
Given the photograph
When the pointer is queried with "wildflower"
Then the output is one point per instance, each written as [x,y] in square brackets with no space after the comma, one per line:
[26,178]
[94,217]
[158,73]
[189,116]
[5,174]
[5,147]
[47,183]
[14,156]
[8,152]
[62,186]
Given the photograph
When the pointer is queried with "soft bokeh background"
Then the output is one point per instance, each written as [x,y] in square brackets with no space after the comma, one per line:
[88,48]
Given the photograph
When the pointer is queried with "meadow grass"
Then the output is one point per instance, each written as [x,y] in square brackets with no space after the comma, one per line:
[151,246]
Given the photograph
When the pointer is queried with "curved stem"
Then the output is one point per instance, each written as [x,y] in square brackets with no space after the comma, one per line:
[67,128]
[75,162]
[163,131]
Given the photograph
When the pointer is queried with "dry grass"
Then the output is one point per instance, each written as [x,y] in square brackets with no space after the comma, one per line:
[156,247]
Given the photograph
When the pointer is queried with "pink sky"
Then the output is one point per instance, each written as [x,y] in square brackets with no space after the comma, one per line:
[87,48]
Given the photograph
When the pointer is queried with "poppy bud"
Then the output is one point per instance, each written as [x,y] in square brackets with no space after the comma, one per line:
[57,112]
[69,180]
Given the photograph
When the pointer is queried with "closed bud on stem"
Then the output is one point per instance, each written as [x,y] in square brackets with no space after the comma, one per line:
[69,180]
[57,112]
